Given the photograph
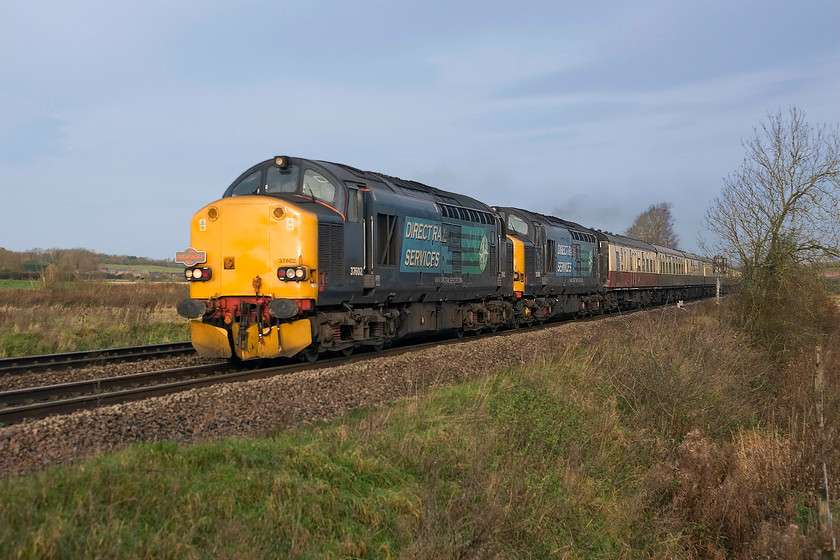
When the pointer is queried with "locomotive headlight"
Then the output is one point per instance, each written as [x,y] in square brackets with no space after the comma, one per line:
[293,274]
[198,274]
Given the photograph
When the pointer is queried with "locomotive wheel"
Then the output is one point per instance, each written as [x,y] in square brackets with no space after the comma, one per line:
[346,352]
[377,347]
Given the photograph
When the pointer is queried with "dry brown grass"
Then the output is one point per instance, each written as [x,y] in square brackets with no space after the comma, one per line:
[88,315]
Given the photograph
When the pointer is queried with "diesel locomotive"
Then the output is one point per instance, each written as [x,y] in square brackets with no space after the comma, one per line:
[301,257]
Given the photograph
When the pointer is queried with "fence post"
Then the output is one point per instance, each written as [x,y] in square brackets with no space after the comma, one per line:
[823,499]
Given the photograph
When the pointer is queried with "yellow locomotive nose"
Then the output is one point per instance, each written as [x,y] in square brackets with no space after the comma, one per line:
[258,250]
[249,237]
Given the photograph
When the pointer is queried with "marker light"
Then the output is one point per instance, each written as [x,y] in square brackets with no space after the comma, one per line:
[293,274]
[200,274]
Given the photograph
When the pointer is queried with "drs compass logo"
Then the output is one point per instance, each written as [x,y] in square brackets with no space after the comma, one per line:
[483,253]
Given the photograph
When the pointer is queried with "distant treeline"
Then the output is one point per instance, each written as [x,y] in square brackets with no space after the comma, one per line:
[69,263]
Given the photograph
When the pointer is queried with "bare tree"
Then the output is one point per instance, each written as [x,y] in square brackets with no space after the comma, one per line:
[777,213]
[782,206]
[655,225]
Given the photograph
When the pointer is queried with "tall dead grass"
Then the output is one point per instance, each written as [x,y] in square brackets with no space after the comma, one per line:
[740,443]
[668,436]
[89,315]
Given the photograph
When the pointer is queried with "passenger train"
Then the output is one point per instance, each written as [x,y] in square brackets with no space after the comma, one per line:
[301,257]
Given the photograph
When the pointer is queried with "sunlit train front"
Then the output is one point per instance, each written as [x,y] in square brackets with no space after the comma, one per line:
[248,299]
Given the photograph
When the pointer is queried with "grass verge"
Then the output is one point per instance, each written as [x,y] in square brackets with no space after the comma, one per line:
[664,438]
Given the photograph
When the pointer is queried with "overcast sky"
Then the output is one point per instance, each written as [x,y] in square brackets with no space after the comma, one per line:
[119,120]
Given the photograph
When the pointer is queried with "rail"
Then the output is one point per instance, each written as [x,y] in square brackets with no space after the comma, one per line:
[85,358]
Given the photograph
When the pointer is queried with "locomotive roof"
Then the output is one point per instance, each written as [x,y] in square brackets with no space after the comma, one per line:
[553,220]
[376,180]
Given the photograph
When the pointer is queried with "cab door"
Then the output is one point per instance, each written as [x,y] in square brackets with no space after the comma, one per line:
[354,238]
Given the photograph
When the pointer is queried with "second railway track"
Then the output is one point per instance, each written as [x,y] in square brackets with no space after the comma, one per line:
[28,364]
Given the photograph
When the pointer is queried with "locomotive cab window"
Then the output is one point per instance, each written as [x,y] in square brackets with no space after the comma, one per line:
[282,180]
[517,224]
[248,185]
[320,188]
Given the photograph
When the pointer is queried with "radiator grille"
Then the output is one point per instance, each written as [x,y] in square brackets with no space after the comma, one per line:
[331,252]
[529,260]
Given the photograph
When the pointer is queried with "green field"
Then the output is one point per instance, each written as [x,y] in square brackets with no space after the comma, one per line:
[174,269]
[19,284]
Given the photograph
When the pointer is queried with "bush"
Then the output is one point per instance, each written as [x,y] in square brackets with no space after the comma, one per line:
[787,311]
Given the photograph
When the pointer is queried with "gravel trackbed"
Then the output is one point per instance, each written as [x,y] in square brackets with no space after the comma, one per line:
[253,408]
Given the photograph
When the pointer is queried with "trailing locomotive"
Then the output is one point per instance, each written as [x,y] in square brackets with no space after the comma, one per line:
[302,257]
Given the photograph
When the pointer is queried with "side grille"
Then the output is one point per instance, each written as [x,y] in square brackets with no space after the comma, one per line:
[331,252]
[529,260]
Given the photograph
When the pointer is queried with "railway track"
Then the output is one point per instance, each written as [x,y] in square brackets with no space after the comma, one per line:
[64,398]
[86,358]
[39,402]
